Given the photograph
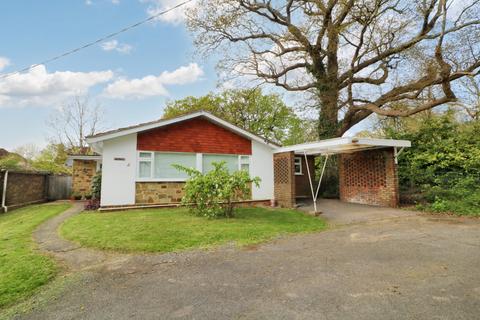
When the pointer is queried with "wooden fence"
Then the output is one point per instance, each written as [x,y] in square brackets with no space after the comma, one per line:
[20,188]
[59,187]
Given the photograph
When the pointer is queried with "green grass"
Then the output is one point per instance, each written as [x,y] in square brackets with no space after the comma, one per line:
[166,230]
[22,269]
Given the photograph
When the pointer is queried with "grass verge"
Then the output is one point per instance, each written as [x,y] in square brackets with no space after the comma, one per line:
[22,269]
[166,230]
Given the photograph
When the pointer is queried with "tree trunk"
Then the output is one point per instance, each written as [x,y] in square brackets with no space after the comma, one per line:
[328,114]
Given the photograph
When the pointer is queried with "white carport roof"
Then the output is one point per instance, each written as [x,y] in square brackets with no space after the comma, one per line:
[339,145]
[343,145]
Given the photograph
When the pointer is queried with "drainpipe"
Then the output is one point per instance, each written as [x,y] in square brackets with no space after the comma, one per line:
[4,193]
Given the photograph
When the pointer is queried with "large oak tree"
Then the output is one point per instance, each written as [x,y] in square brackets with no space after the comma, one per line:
[356,57]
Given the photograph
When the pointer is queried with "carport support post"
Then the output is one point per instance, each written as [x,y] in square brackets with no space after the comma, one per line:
[315,194]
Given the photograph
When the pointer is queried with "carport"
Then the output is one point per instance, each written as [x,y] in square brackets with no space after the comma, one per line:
[367,170]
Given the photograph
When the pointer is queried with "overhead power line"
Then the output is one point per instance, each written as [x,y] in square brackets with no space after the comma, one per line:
[102,39]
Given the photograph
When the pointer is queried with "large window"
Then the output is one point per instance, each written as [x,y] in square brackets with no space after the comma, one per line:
[164,169]
[230,160]
[158,166]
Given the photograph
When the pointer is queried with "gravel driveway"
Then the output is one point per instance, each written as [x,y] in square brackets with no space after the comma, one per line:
[413,267]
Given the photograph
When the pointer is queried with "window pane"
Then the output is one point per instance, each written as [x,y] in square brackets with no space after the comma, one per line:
[164,162]
[145,155]
[231,161]
[144,169]
[245,166]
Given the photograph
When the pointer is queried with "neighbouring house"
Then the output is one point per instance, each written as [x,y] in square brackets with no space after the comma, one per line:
[136,163]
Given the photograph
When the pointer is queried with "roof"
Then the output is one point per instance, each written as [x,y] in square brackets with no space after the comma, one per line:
[165,122]
[343,145]
[84,157]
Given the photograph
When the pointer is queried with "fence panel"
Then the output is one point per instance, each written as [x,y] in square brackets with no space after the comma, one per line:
[59,187]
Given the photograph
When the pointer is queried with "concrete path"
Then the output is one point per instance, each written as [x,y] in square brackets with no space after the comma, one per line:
[337,212]
[400,268]
[70,254]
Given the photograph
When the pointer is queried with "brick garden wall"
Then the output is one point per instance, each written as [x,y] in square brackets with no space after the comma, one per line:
[83,172]
[196,135]
[369,177]
[24,188]
[284,179]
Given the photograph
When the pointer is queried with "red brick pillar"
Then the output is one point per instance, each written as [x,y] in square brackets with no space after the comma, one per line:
[284,179]
[369,177]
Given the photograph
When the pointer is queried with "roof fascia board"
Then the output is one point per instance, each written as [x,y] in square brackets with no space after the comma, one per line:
[328,146]
[85,157]
[384,142]
[315,145]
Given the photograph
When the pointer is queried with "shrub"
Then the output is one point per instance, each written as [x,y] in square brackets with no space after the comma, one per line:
[96,185]
[212,194]
[92,204]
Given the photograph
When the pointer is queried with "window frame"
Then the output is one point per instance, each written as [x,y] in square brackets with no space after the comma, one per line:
[242,159]
[299,165]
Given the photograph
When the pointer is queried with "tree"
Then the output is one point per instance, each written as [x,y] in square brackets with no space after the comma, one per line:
[265,115]
[74,121]
[356,57]
[27,151]
[470,101]
[51,159]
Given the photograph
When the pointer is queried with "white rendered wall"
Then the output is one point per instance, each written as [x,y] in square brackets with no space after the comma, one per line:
[262,166]
[119,170]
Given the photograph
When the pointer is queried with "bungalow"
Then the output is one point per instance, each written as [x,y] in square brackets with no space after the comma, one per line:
[137,163]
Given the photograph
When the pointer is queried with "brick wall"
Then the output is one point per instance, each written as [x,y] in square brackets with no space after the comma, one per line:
[369,177]
[24,188]
[302,183]
[284,179]
[195,135]
[83,172]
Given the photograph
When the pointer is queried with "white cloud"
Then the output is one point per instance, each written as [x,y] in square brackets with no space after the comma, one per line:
[175,16]
[4,62]
[116,46]
[40,88]
[151,85]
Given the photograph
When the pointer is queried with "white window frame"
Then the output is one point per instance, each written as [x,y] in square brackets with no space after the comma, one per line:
[299,164]
[242,159]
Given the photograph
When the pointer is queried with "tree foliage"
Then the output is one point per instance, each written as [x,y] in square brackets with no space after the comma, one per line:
[249,109]
[51,159]
[212,194]
[356,57]
[443,165]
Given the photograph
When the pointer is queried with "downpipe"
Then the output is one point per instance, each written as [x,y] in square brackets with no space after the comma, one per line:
[4,192]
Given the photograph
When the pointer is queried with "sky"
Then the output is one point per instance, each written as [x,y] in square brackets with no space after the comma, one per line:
[131,75]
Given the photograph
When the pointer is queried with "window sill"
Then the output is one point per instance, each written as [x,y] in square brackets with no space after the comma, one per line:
[161,180]
[299,174]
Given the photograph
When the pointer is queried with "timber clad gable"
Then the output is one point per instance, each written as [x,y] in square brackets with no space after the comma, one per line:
[196,135]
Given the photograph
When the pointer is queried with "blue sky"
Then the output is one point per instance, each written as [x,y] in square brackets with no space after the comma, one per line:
[131,77]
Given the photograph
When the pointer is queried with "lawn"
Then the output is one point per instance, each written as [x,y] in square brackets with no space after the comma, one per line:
[22,269]
[166,230]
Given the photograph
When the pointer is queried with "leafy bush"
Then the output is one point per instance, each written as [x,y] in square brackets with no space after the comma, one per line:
[441,170]
[212,194]
[96,185]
